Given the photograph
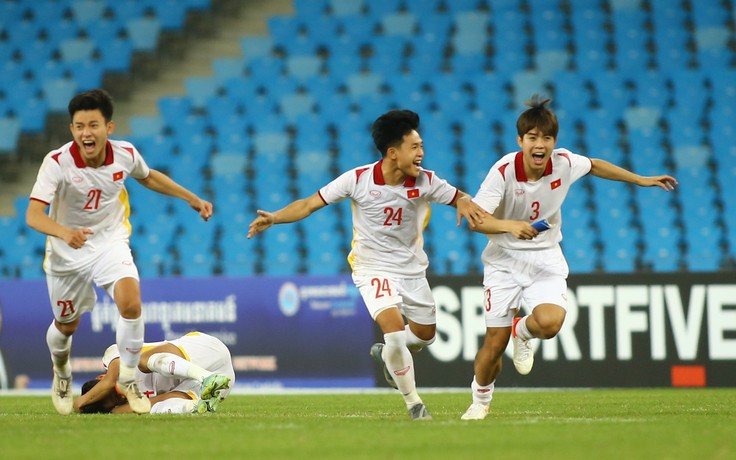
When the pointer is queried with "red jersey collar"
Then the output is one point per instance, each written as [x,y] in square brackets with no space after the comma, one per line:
[379,180]
[519,166]
[79,161]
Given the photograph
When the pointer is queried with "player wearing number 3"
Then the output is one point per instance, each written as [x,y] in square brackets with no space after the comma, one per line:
[88,232]
[521,264]
[390,209]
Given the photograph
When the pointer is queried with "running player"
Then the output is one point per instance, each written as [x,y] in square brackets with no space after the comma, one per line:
[88,232]
[390,210]
[522,264]
[191,374]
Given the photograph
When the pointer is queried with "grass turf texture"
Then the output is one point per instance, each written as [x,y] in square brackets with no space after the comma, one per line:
[599,424]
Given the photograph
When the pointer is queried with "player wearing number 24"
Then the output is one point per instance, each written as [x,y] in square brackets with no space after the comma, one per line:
[88,237]
[390,199]
[523,265]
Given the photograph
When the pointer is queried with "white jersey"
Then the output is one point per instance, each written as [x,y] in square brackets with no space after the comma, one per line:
[84,197]
[388,220]
[202,349]
[507,194]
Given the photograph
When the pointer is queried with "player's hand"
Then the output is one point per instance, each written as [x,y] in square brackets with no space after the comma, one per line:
[264,220]
[76,238]
[664,182]
[522,230]
[468,209]
[204,208]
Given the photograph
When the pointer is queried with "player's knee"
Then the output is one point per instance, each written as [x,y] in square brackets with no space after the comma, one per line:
[550,327]
[130,311]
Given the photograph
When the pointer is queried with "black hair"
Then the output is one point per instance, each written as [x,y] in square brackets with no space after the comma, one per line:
[539,116]
[390,128]
[96,99]
[98,407]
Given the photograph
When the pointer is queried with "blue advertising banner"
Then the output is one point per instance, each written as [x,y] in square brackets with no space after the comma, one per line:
[282,332]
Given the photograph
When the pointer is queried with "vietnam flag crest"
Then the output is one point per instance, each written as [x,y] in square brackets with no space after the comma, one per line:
[117,176]
[413,193]
[555,183]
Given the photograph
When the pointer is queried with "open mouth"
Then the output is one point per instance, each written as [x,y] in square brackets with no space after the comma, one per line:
[89,146]
[538,158]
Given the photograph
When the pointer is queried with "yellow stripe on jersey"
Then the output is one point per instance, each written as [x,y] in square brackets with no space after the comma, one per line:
[351,256]
[123,197]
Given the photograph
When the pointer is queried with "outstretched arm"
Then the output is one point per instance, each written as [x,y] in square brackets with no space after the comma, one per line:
[491,226]
[161,183]
[468,209]
[606,170]
[293,212]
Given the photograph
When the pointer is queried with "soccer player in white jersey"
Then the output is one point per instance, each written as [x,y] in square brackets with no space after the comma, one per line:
[191,374]
[521,264]
[390,204]
[88,232]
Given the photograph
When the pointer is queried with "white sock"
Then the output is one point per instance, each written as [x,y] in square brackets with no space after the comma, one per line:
[482,394]
[521,330]
[168,364]
[60,347]
[401,366]
[129,338]
[414,343]
[173,406]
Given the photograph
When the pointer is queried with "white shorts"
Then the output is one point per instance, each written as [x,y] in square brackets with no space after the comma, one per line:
[516,278]
[207,352]
[72,295]
[413,297]
[198,348]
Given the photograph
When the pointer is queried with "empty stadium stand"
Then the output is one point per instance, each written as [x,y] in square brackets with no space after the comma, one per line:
[648,84]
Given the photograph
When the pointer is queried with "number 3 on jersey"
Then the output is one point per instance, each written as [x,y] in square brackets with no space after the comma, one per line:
[393,216]
[535,211]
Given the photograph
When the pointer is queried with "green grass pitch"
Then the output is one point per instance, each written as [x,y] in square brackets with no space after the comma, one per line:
[695,424]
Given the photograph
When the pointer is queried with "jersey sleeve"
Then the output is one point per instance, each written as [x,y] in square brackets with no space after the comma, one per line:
[47,181]
[140,168]
[491,191]
[340,188]
[579,165]
[441,191]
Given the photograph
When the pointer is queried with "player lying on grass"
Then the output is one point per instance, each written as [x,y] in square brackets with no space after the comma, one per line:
[191,374]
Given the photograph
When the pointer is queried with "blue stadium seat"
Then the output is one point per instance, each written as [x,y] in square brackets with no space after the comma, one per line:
[87,74]
[143,33]
[399,24]
[86,12]
[254,47]
[75,50]
[116,55]
[201,89]
[342,8]
[58,93]
[9,133]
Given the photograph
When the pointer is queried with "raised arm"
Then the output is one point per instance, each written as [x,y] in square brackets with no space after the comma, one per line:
[606,170]
[294,211]
[161,183]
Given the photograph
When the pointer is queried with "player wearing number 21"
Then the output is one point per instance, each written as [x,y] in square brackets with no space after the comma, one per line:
[390,205]
[88,238]
[523,266]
